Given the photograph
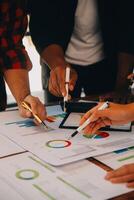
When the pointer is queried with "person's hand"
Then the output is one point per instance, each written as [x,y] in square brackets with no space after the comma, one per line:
[37,108]
[57,81]
[115,114]
[130,76]
[124,174]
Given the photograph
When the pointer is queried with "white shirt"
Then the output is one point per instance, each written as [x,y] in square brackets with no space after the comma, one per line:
[85,46]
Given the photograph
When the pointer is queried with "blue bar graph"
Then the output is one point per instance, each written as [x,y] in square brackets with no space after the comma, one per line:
[24,123]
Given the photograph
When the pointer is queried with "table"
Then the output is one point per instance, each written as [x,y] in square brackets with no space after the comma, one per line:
[122,197]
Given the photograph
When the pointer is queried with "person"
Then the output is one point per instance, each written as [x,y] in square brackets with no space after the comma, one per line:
[93,37]
[115,114]
[14,60]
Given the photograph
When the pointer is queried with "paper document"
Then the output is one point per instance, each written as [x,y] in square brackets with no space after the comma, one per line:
[118,158]
[90,179]
[7,147]
[53,145]
[30,178]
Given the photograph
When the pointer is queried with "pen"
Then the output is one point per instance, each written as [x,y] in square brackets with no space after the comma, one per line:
[26,106]
[80,128]
[67,78]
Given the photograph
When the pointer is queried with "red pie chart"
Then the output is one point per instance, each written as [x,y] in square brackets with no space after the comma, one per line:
[99,135]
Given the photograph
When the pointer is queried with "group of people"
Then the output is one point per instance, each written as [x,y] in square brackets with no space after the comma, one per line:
[94,38]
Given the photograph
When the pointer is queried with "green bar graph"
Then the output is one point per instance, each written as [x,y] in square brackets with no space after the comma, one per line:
[126,158]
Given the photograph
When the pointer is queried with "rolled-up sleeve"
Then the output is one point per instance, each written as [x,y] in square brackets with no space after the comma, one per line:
[13,24]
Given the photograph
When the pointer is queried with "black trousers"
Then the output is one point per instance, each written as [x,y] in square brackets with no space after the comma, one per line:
[3,96]
[97,78]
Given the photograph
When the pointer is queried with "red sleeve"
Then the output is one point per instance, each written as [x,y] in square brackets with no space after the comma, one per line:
[13,25]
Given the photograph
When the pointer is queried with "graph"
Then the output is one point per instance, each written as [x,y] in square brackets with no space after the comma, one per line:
[124,150]
[27,174]
[99,135]
[53,118]
[23,123]
[58,143]
[131,157]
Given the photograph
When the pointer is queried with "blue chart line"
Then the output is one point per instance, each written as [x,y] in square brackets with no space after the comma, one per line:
[24,123]
[124,150]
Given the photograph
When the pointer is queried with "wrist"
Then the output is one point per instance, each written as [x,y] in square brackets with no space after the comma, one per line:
[23,98]
[53,55]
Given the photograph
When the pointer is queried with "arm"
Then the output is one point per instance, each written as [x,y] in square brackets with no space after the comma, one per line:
[51,37]
[116,114]
[18,83]
[16,61]
[53,55]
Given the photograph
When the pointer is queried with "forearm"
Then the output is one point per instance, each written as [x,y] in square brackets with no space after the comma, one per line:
[53,55]
[130,112]
[18,83]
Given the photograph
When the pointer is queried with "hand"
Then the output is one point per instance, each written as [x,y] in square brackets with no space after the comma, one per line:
[36,106]
[116,114]
[124,174]
[57,81]
[130,76]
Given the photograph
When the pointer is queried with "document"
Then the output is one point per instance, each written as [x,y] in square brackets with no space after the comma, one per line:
[53,145]
[28,178]
[90,179]
[8,147]
[118,158]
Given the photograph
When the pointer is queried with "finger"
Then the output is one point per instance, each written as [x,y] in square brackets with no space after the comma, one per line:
[73,79]
[54,87]
[36,106]
[85,117]
[126,169]
[101,114]
[33,102]
[131,184]
[89,128]
[97,126]
[89,113]
[36,122]
[51,89]
[41,111]
[122,179]
[60,79]
[25,113]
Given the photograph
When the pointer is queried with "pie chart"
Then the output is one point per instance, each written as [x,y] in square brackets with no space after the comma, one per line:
[99,135]
[58,144]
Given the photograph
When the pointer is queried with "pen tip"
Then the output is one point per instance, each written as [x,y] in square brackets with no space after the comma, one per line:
[69,138]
